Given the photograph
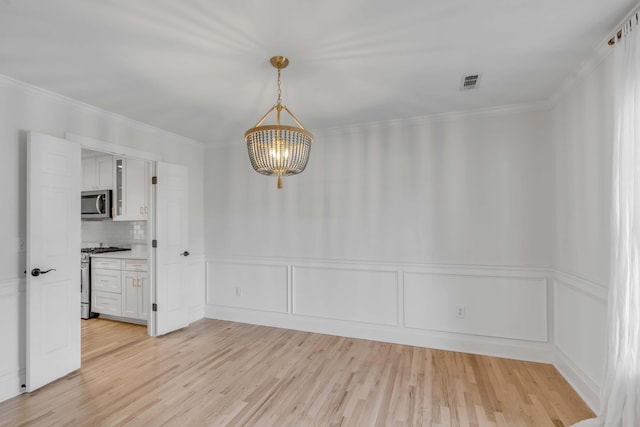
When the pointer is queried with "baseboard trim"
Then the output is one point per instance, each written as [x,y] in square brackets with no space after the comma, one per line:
[588,390]
[11,384]
[123,319]
[196,313]
[487,346]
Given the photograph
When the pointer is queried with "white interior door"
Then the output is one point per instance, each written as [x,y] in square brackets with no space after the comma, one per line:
[172,235]
[53,259]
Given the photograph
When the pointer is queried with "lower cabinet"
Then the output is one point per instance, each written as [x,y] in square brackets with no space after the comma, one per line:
[107,303]
[120,287]
[135,293]
[106,286]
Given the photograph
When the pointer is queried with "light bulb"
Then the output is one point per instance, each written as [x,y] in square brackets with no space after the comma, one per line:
[279,153]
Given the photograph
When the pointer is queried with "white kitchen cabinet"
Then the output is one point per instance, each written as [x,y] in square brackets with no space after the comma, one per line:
[106,286]
[120,287]
[106,280]
[97,173]
[130,188]
[106,263]
[106,303]
[135,292]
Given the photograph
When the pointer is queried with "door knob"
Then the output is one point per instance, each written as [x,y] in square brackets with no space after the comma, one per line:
[185,253]
[36,271]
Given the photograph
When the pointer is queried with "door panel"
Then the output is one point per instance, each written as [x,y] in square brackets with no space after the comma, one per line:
[143,296]
[172,231]
[130,294]
[53,242]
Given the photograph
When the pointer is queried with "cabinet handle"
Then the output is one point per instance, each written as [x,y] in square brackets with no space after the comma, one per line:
[145,210]
[113,212]
[141,210]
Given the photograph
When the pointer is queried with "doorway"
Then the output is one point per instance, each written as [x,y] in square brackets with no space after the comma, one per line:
[53,245]
[115,260]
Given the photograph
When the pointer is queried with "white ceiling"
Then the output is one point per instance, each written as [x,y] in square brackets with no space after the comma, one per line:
[201,69]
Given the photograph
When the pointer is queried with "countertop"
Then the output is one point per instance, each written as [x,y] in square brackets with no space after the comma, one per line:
[131,254]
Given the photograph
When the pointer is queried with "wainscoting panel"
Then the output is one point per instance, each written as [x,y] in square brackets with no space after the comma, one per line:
[580,330]
[505,307]
[195,287]
[12,351]
[358,295]
[248,286]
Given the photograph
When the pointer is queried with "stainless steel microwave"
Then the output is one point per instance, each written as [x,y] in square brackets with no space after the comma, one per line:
[96,204]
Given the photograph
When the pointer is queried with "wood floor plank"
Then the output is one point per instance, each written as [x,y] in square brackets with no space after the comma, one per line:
[218,373]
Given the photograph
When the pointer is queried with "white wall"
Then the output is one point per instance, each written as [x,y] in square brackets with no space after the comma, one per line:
[582,140]
[468,190]
[22,109]
[391,229]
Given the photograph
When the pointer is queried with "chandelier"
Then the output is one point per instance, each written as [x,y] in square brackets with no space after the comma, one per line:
[278,149]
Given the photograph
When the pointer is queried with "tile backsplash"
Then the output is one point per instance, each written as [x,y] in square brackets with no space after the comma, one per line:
[114,233]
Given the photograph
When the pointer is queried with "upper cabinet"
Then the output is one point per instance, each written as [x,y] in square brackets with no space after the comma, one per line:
[130,188]
[97,173]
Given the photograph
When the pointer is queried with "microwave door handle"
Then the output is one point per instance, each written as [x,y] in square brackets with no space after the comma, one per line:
[98,207]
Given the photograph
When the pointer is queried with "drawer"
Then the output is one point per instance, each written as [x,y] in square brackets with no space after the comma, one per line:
[106,280]
[134,264]
[107,303]
[105,263]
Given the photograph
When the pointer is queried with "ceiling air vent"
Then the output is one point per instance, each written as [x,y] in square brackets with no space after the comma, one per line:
[470,82]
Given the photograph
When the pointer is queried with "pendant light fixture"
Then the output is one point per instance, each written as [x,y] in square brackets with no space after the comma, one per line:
[278,149]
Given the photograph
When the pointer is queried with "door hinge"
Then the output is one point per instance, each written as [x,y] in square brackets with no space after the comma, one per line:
[154,307]
[154,243]
[154,179]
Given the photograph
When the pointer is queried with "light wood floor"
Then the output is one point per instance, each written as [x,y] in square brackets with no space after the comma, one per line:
[223,373]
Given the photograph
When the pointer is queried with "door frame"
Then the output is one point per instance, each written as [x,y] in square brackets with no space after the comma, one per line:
[89,143]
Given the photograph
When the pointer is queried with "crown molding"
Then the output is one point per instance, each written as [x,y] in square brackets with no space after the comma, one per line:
[10,81]
[441,117]
[601,52]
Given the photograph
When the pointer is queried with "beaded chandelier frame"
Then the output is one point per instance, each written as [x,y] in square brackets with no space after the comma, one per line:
[278,149]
